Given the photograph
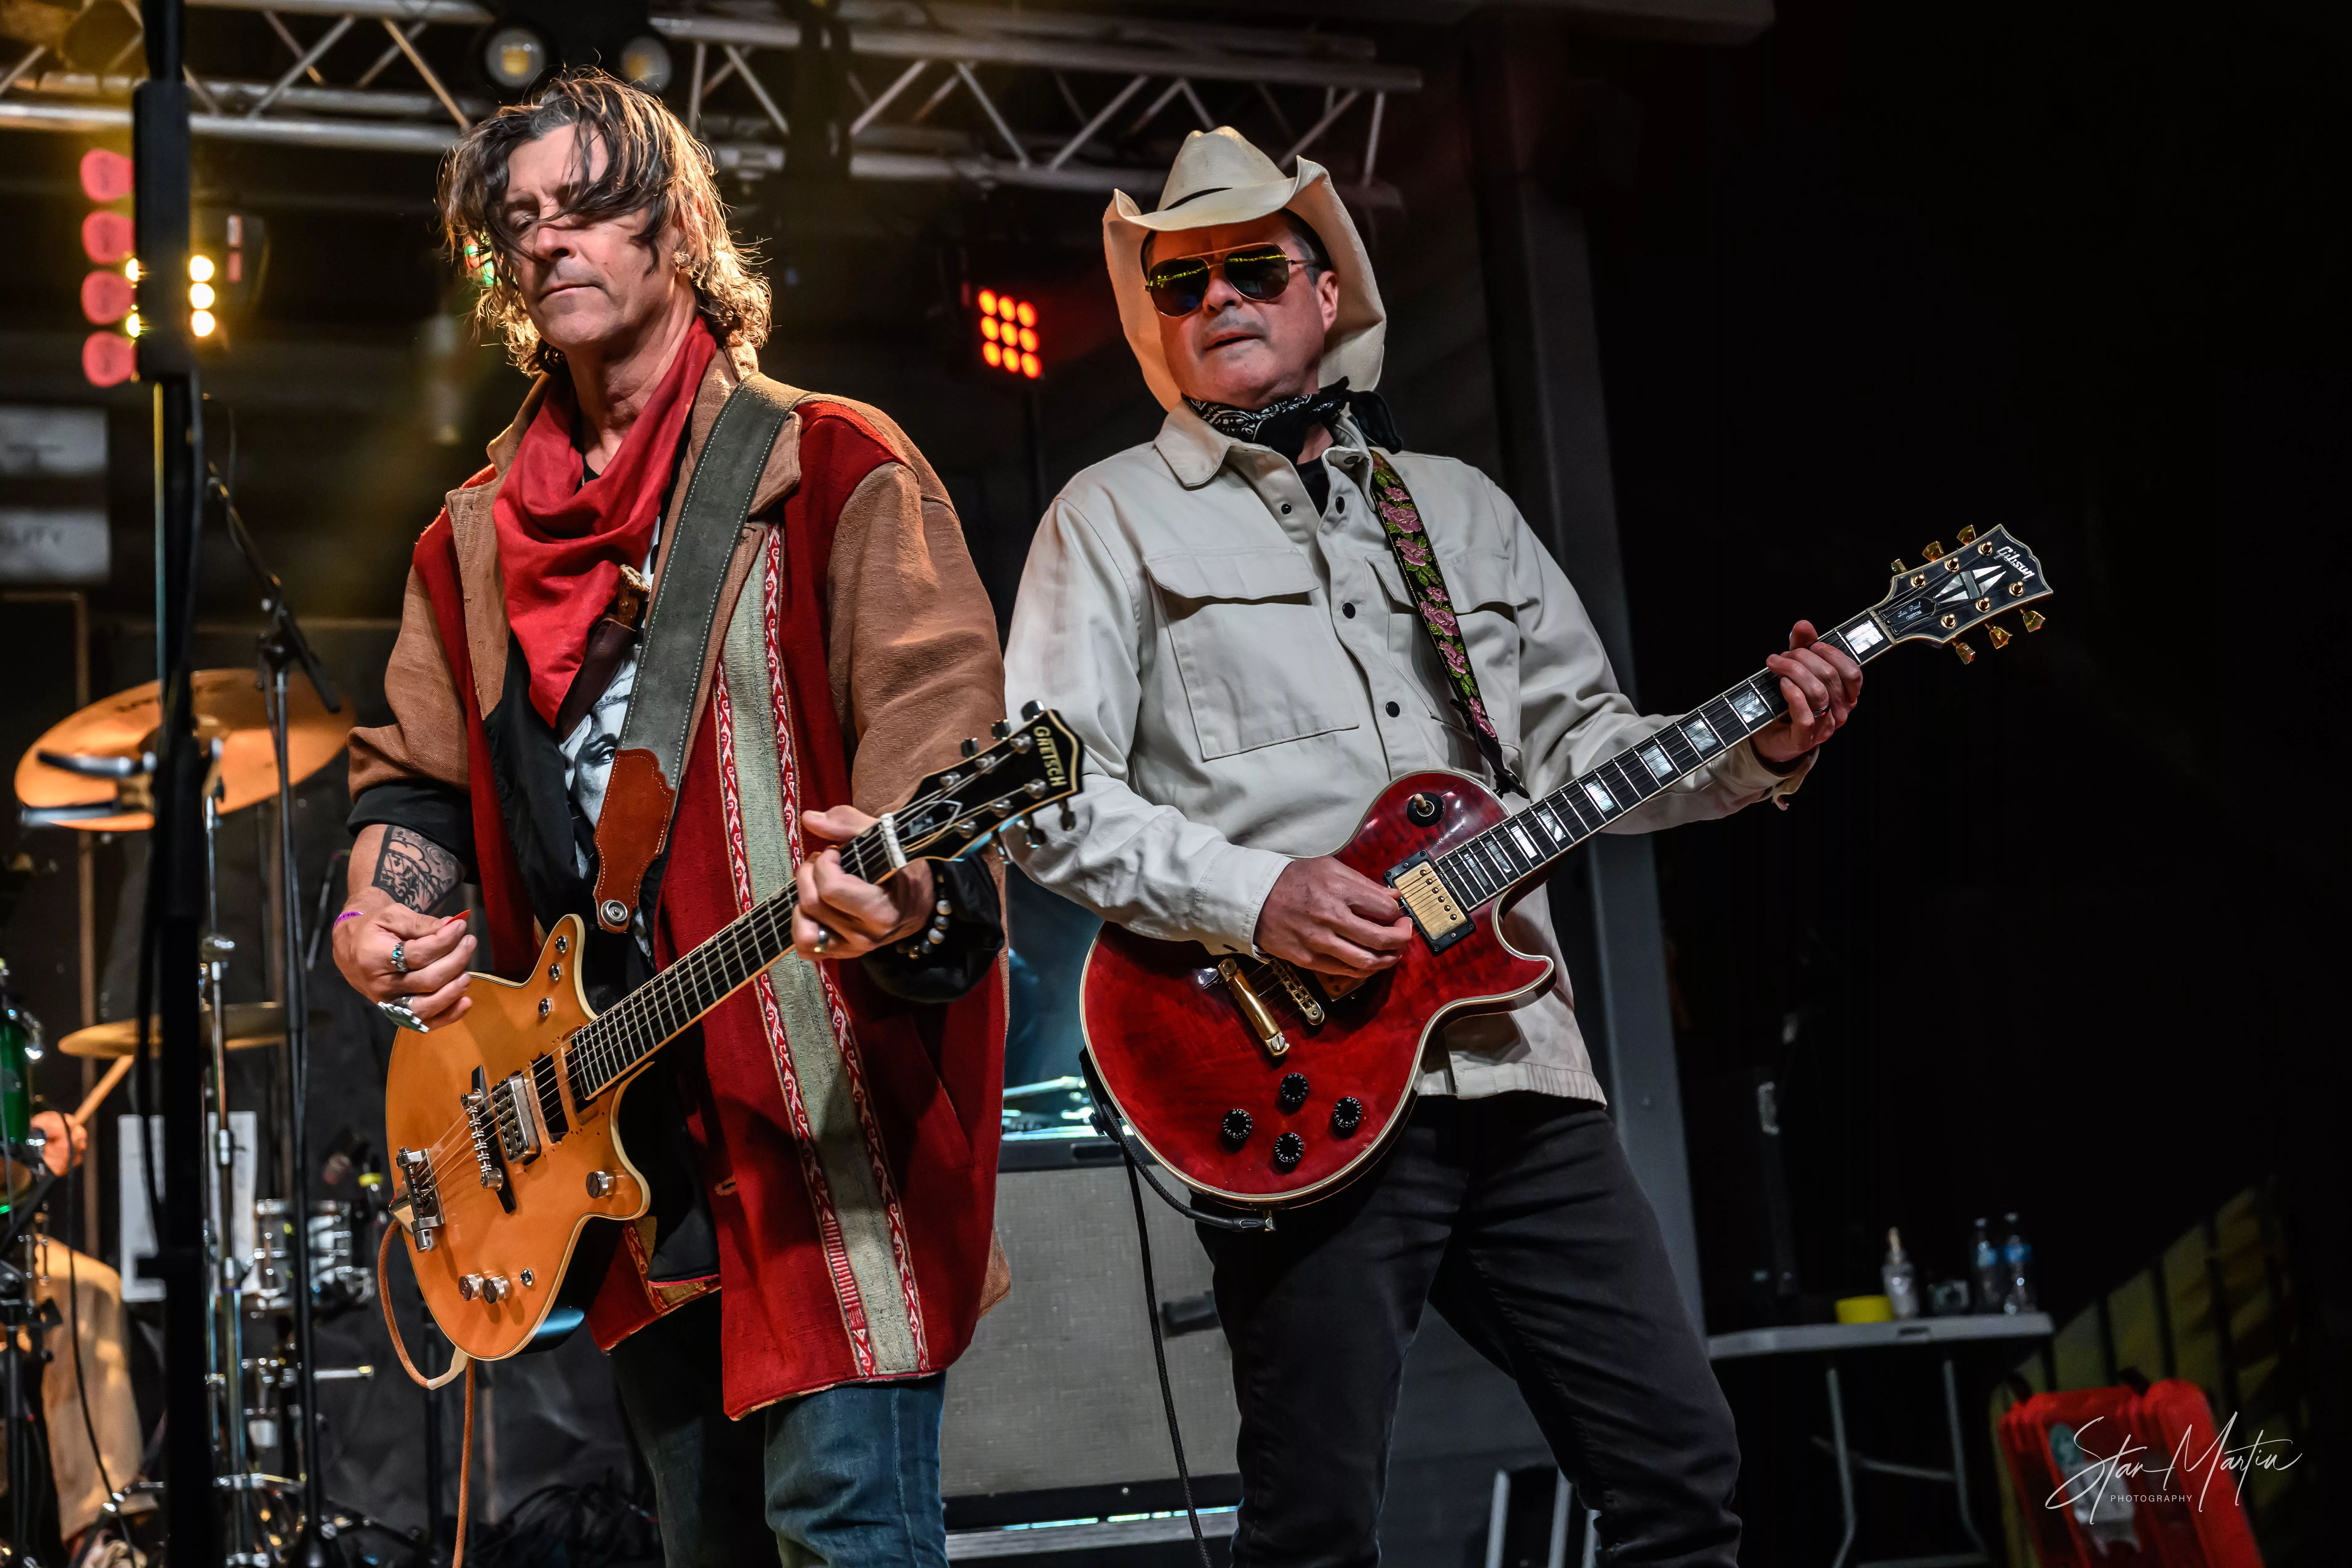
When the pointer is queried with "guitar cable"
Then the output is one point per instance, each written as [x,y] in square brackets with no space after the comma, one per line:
[1108,1125]
[458,1361]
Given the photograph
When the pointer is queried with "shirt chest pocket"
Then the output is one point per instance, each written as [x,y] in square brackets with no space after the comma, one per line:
[1488,620]
[1254,649]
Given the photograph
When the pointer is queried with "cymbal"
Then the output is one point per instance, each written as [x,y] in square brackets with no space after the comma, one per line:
[229,709]
[250,1023]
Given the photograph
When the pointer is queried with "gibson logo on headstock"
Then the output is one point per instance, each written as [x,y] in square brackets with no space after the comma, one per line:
[2009,553]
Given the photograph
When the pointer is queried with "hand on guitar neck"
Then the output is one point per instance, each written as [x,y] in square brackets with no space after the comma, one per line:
[848,914]
[1821,685]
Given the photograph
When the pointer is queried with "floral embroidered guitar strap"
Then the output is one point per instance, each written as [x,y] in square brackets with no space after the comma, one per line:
[1401,520]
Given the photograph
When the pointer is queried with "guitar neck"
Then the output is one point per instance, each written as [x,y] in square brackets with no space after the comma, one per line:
[1530,843]
[611,1047]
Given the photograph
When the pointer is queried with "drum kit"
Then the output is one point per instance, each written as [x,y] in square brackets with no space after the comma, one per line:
[91,773]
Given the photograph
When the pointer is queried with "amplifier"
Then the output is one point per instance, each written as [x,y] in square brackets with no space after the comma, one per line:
[1059,1389]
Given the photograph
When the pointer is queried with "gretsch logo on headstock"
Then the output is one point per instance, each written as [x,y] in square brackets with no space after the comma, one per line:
[1058,773]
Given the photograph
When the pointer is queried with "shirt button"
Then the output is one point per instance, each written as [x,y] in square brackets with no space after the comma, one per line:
[1394,710]
[1349,610]
[1285,509]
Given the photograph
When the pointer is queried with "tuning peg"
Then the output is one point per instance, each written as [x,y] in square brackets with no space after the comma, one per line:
[1934,551]
[1069,817]
[2000,635]
[1969,535]
[972,748]
[1896,565]
[2033,619]
[1967,654]
[1030,709]
[1000,728]
[1031,833]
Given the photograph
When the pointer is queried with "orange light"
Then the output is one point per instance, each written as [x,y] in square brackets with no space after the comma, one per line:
[1029,338]
[988,301]
[1029,367]
[992,355]
[1005,307]
[1013,362]
[1028,313]
[988,328]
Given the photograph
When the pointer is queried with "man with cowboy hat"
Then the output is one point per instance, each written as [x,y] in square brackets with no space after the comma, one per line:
[1254,622]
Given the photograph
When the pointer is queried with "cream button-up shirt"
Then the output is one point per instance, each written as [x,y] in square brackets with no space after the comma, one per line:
[1247,674]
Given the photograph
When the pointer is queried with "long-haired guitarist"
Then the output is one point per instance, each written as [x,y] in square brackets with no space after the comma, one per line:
[566,735]
[1255,622]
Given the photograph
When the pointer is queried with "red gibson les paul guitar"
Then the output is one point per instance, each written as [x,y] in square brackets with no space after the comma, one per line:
[1266,1084]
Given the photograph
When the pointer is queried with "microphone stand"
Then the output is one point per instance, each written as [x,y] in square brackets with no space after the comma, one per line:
[282,646]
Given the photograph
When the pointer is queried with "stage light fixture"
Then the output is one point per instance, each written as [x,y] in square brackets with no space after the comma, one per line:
[106,297]
[1008,332]
[200,268]
[106,236]
[105,176]
[514,57]
[202,323]
[130,270]
[133,326]
[645,63]
[201,296]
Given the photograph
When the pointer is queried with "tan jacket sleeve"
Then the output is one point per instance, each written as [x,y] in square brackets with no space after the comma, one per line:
[913,653]
[426,737]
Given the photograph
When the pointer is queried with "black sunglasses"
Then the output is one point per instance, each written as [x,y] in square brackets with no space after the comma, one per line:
[1178,286]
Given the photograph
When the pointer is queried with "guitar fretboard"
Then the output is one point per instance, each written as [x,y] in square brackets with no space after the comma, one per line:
[608,1049]
[1526,843]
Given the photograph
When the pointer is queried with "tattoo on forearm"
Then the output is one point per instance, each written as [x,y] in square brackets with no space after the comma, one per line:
[416,871]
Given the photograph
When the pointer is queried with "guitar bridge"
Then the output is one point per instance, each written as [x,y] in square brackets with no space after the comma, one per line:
[422,1197]
[1301,994]
[1430,903]
[489,1151]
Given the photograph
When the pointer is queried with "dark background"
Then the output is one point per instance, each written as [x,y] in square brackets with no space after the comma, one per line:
[2053,932]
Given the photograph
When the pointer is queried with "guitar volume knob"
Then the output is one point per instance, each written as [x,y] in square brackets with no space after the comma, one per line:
[1235,1127]
[1347,1116]
[1292,1092]
[600,1183]
[1288,1150]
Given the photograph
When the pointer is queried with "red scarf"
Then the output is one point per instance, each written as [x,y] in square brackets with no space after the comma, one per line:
[562,543]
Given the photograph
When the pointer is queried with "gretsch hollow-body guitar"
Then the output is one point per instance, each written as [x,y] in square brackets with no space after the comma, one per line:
[1266,1084]
[503,1122]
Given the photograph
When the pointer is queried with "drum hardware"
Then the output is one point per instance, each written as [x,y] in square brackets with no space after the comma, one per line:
[97,772]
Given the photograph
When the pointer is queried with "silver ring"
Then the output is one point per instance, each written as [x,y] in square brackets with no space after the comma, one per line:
[400,958]
[400,1012]
[823,937]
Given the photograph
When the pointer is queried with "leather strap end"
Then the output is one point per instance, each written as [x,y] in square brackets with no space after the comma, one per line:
[629,833]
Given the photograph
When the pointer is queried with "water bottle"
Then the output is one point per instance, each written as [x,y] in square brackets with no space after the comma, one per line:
[1901,1280]
[2017,1270]
[1984,1267]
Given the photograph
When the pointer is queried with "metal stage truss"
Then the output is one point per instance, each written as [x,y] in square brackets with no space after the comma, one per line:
[1051,97]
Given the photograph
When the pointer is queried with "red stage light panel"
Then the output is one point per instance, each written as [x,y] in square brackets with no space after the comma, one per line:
[105,176]
[1008,332]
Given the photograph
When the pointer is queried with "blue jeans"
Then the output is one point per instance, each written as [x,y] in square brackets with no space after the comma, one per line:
[848,1477]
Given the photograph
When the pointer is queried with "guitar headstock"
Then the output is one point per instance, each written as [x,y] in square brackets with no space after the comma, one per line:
[955,811]
[1954,592]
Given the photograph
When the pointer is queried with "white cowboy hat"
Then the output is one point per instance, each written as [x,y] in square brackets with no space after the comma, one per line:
[1218,178]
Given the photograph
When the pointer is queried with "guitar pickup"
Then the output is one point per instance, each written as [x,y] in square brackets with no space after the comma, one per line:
[519,1134]
[1253,1007]
[1430,903]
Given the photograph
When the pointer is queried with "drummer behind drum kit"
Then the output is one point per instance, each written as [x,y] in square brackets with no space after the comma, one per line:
[91,773]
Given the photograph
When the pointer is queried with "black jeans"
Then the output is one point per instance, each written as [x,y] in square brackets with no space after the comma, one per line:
[1517,1218]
